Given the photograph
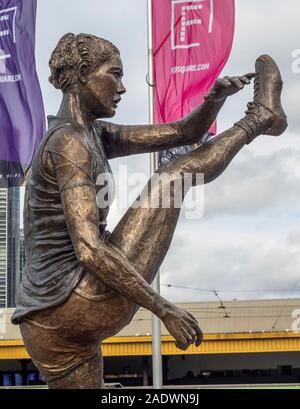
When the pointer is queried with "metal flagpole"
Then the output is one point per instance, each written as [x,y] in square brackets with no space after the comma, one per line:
[156,329]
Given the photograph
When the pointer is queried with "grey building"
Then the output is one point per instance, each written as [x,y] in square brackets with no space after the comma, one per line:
[3,247]
[9,245]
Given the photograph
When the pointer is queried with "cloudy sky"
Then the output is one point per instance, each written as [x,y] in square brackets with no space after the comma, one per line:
[247,243]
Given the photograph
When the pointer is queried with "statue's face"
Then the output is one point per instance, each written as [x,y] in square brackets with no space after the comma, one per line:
[104,88]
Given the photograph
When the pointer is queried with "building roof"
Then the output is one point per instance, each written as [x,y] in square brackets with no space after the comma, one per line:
[231,317]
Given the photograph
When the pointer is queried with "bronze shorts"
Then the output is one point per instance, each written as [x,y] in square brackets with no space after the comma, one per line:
[61,338]
[53,355]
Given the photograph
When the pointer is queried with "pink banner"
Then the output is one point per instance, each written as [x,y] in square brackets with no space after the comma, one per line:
[192,41]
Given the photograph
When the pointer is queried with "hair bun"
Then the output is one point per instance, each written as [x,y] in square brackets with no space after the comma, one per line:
[71,50]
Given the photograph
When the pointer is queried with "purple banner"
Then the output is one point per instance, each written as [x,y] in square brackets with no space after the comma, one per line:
[22,118]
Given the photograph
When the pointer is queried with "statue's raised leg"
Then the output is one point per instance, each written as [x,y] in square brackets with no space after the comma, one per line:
[144,234]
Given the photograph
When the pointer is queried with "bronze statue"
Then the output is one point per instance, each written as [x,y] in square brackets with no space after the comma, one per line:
[83,284]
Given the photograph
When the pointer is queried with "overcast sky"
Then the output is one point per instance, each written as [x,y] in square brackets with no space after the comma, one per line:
[249,237]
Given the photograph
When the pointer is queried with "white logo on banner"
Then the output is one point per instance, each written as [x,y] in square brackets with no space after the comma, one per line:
[7,28]
[190,15]
[2,322]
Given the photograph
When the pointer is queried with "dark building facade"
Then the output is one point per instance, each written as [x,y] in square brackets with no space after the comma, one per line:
[9,245]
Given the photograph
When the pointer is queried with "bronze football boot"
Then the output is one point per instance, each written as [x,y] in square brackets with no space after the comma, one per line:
[265,114]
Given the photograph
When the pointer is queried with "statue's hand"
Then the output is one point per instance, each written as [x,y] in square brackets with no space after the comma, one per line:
[182,326]
[224,87]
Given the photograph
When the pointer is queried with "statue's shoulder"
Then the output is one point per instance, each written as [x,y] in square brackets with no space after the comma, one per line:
[103,127]
[67,138]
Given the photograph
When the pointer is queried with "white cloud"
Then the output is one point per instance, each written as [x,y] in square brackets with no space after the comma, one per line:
[211,258]
[256,183]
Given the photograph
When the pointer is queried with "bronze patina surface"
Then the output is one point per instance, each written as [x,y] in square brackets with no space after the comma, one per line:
[81,283]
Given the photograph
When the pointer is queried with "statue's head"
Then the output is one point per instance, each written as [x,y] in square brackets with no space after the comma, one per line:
[92,68]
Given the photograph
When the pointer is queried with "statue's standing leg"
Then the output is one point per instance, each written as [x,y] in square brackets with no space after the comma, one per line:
[88,375]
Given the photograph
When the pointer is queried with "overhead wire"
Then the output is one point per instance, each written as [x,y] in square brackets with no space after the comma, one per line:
[233,291]
[216,293]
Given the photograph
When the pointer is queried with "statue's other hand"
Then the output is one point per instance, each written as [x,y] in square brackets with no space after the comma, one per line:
[224,87]
[183,327]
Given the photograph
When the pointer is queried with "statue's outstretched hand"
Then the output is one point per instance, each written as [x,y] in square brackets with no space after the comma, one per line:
[182,326]
[224,87]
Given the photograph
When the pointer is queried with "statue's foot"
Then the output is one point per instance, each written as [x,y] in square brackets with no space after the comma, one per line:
[265,114]
[267,94]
